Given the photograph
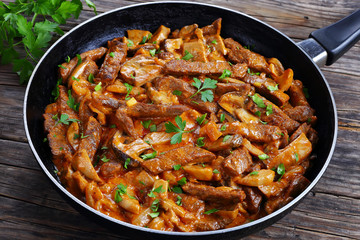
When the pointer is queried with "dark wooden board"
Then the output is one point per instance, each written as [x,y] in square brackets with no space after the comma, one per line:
[31,208]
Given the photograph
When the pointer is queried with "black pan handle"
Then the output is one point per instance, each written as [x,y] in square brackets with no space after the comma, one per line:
[339,37]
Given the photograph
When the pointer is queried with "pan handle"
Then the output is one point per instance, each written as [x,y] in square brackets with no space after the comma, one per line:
[328,44]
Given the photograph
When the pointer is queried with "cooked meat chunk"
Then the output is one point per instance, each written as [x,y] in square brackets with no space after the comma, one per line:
[234,141]
[242,88]
[224,196]
[254,132]
[155,110]
[300,113]
[297,95]
[113,59]
[125,122]
[237,162]
[91,137]
[182,156]
[239,54]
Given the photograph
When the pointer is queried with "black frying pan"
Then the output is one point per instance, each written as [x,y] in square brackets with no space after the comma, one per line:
[245,29]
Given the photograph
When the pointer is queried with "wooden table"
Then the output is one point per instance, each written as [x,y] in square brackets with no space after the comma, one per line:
[30,207]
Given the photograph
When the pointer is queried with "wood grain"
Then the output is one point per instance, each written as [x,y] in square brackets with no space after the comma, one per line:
[31,208]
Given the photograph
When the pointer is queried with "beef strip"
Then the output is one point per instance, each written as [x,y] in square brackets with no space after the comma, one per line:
[303,128]
[277,117]
[94,55]
[182,67]
[224,196]
[155,110]
[253,199]
[242,88]
[239,54]
[63,106]
[237,162]
[297,95]
[214,146]
[115,56]
[300,113]
[182,155]
[125,122]
[253,131]
[91,137]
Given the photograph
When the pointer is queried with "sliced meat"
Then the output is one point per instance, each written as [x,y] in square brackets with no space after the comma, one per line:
[241,88]
[277,117]
[138,36]
[239,54]
[253,131]
[155,110]
[182,67]
[237,162]
[140,69]
[225,196]
[262,86]
[213,29]
[94,55]
[125,122]
[63,106]
[90,140]
[300,113]
[214,146]
[57,141]
[115,56]
[183,155]
[253,199]
[297,94]
[303,128]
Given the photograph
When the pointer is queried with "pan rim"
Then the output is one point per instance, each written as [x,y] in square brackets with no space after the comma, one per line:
[214,232]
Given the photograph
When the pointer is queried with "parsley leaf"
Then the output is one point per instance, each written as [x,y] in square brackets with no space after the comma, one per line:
[216,171]
[200,142]
[227,137]
[269,110]
[187,56]
[130,43]
[201,119]
[170,127]
[128,90]
[177,167]
[273,88]
[91,78]
[222,117]
[182,181]
[254,173]
[127,161]
[206,95]
[146,123]
[211,211]
[177,92]
[258,101]
[178,201]
[64,118]
[226,73]
[263,156]
[112,54]
[152,52]
[280,170]
[149,155]
[157,190]
[98,87]
[71,102]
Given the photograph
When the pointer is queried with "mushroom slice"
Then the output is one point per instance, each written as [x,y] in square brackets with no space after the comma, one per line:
[82,163]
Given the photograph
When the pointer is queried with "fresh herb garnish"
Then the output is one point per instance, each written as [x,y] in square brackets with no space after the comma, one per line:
[258,113]
[152,52]
[182,181]
[91,78]
[269,110]
[112,54]
[222,117]
[149,155]
[104,159]
[76,136]
[75,78]
[178,201]
[170,128]
[64,118]
[296,155]
[206,95]
[187,56]
[67,59]
[273,88]
[157,190]
[61,66]
[211,211]
[146,123]
[55,92]
[216,171]
[306,92]
[226,138]
[177,92]
[280,170]
[201,119]
[130,43]
[258,101]
[223,128]
[79,59]
[71,102]
[177,167]
[263,122]
[112,126]
[177,189]
[254,173]
[214,42]
[82,136]
[127,161]
[128,91]
[200,142]
[153,128]
[155,207]
[98,87]
[226,73]
[263,156]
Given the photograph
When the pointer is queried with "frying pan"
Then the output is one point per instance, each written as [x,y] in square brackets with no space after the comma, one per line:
[323,47]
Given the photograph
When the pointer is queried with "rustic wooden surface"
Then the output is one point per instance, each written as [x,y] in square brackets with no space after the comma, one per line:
[30,208]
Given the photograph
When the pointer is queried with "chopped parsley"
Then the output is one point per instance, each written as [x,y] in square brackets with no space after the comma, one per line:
[227,137]
[206,95]
[98,87]
[200,142]
[201,119]
[269,110]
[226,73]
[187,56]
[130,43]
[211,211]
[177,167]
[75,78]
[170,128]
[152,52]
[273,88]
[177,92]
[182,181]
[71,102]
[153,128]
[157,190]
[222,117]
[258,101]
[64,118]
[280,170]
[296,155]
[254,173]
[104,159]
[128,90]
[61,66]
[178,201]
[146,123]
[91,78]
[79,59]
[149,155]
[223,128]
[216,171]
[127,161]
[112,54]
[263,156]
